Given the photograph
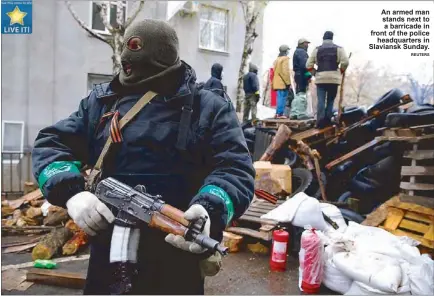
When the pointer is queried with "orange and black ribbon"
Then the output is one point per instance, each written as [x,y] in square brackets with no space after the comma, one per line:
[115,130]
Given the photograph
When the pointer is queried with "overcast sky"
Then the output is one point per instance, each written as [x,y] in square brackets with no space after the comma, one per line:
[351,22]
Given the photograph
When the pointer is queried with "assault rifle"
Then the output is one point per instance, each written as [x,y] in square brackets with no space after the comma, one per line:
[134,205]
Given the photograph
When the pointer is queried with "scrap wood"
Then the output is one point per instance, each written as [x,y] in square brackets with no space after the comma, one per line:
[14,279]
[56,215]
[71,280]
[7,210]
[50,244]
[20,243]
[28,229]
[57,260]
[15,204]
[266,236]
[282,136]
[37,203]
[20,248]
[33,212]
[72,246]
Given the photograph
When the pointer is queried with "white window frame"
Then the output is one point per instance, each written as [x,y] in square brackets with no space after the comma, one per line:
[95,74]
[13,161]
[226,31]
[106,32]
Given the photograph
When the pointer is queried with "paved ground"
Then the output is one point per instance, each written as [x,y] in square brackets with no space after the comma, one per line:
[242,273]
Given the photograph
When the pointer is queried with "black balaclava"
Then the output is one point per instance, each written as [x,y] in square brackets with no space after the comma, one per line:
[328,35]
[216,71]
[150,51]
[253,68]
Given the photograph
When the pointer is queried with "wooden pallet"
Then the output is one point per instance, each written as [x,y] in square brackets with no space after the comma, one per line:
[296,124]
[265,227]
[406,215]
[418,176]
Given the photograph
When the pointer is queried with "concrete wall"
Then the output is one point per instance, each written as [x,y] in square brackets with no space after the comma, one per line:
[45,73]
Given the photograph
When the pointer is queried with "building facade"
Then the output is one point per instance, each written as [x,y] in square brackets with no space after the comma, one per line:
[48,72]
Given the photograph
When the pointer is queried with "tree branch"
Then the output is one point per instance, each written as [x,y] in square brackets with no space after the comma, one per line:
[103,14]
[83,24]
[135,14]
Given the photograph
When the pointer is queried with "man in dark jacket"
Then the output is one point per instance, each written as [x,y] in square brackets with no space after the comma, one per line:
[251,91]
[301,74]
[207,172]
[215,82]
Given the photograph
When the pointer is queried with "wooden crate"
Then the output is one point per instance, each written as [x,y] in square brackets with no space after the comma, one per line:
[406,215]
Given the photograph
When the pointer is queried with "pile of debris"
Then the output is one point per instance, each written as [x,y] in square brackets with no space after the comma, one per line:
[32,214]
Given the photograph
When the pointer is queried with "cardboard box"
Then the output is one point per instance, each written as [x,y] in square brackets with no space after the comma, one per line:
[273,178]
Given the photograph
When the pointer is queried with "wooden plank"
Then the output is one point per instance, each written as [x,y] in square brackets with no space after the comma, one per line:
[250,232]
[394,217]
[429,235]
[414,226]
[71,280]
[416,186]
[423,241]
[420,154]
[419,217]
[413,207]
[417,171]
[255,210]
[352,153]
[266,228]
[423,201]
[257,220]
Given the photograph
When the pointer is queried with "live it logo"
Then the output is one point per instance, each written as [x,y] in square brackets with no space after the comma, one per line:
[16,17]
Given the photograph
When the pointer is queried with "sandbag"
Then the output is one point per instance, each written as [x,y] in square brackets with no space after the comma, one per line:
[358,288]
[334,279]
[378,271]
[421,276]
[299,106]
[300,210]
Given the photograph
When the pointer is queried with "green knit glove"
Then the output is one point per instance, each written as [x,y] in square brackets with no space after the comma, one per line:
[308,75]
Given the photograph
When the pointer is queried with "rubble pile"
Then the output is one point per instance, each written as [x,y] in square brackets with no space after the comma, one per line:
[32,214]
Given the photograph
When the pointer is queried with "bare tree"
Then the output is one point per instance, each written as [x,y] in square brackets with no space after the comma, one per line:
[420,93]
[362,77]
[116,29]
[252,11]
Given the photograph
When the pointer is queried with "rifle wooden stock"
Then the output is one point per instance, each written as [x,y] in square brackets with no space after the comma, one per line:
[283,134]
[174,214]
[167,225]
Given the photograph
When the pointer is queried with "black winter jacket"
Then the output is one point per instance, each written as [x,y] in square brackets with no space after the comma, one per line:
[299,61]
[216,172]
[251,81]
[216,76]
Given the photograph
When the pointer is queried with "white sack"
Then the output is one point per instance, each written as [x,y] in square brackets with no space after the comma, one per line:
[421,276]
[301,210]
[334,279]
[376,270]
[369,239]
[358,288]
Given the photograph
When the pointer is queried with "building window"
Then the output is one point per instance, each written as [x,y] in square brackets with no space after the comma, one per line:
[93,79]
[12,141]
[112,10]
[213,28]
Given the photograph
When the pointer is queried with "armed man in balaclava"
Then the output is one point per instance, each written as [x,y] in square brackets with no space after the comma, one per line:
[215,82]
[184,145]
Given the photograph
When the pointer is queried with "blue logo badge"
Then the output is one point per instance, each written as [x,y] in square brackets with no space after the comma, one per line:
[16,17]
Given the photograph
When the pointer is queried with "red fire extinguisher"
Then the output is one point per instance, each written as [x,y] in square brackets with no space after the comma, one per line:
[311,261]
[279,250]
